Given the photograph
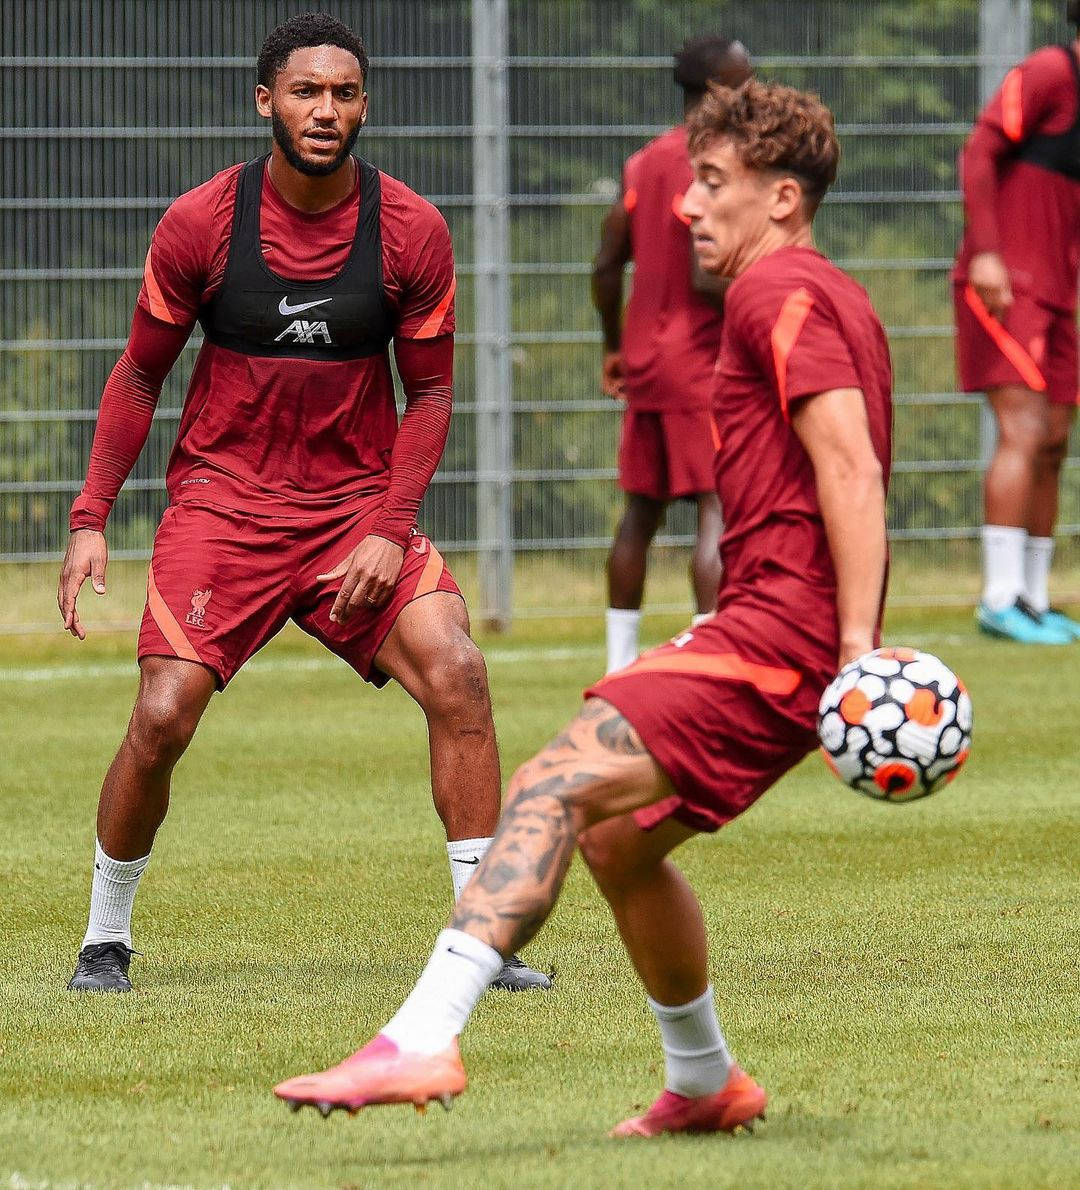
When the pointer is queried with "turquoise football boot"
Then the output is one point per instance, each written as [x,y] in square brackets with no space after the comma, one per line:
[1055,617]
[1020,623]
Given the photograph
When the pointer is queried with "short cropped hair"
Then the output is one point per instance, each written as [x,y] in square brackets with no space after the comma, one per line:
[773,128]
[700,62]
[303,30]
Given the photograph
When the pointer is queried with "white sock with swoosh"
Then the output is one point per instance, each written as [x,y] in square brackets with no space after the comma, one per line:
[436,1010]
[465,856]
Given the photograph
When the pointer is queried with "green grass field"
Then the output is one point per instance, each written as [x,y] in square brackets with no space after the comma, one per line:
[903,980]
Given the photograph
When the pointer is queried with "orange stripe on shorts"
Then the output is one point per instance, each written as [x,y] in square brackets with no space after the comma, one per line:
[1006,344]
[769,679]
[167,622]
[716,442]
[431,574]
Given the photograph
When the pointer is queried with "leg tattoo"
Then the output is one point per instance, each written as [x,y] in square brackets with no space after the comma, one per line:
[551,799]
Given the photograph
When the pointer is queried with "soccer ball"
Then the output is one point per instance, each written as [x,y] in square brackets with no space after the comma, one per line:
[895,724]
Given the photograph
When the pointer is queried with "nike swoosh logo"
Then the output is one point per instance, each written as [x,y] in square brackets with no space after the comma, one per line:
[475,860]
[285,308]
[467,957]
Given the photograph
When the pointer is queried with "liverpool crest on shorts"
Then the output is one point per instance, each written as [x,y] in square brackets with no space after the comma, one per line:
[197,616]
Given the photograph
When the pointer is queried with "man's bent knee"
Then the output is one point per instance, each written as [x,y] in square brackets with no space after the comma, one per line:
[618,850]
[602,853]
[1052,453]
[458,685]
[159,733]
[590,787]
[1023,419]
[167,712]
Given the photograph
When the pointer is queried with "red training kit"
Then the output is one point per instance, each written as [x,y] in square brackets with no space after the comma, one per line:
[1015,201]
[286,437]
[288,452]
[671,334]
[1021,177]
[729,706]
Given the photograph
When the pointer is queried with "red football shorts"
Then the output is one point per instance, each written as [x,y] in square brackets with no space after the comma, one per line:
[722,711]
[667,456]
[222,583]
[1034,346]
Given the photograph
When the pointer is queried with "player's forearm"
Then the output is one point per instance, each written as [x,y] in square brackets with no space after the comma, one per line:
[853,508]
[426,369]
[607,296]
[978,174]
[127,411]
[607,274]
[123,425]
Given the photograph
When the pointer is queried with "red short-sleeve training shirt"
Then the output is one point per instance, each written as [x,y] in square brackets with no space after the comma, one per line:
[290,435]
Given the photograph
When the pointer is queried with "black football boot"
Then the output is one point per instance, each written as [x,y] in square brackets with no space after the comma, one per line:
[102,967]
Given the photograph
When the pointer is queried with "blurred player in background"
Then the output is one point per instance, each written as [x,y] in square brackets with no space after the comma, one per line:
[1015,299]
[660,360]
[293,492]
[692,733]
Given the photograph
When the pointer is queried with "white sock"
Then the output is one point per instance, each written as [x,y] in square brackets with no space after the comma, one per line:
[622,636]
[435,1011]
[696,1057]
[465,856]
[1003,565]
[700,618]
[1038,554]
[112,895]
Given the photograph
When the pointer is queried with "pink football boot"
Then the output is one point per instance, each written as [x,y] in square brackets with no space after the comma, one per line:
[379,1073]
[736,1104]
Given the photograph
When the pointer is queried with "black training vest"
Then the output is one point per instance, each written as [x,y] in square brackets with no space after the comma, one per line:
[1061,153]
[256,312]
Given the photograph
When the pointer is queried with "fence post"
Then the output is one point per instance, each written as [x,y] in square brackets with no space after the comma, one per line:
[491,235]
[1004,38]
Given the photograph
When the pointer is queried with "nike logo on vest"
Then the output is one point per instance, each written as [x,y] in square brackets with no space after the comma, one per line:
[285,308]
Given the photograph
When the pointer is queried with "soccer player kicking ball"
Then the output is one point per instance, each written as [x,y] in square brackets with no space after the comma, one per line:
[695,731]
[293,492]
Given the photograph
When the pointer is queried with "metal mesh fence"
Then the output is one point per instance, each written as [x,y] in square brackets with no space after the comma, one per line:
[110,108]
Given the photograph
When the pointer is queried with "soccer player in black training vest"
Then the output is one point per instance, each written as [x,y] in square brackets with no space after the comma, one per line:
[293,491]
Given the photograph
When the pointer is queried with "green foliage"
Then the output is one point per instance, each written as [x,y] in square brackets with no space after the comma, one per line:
[33,452]
[864,96]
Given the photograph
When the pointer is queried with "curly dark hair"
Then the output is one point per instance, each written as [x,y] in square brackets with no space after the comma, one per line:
[299,32]
[704,60]
[773,127]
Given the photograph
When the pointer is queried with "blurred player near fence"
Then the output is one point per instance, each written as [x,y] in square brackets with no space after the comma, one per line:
[660,358]
[1014,295]
[693,733]
[293,492]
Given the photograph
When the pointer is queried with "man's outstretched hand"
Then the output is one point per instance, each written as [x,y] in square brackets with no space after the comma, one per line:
[86,558]
[369,576]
